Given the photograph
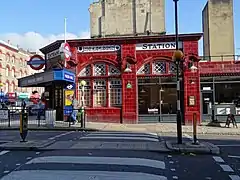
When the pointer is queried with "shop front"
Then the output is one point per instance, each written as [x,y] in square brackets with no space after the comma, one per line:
[133,79]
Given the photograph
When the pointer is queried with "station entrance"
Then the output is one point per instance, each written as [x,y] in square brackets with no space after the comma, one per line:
[157,99]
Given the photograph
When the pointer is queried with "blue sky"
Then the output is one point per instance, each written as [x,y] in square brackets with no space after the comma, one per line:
[46,17]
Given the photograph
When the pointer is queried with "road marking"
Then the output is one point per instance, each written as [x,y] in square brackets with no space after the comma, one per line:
[123,135]
[60,135]
[123,138]
[226,168]
[99,160]
[85,175]
[238,157]
[4,152]
[187,136]
[18,164]
[234,177]
[218,159]
[5,172]
[228,145]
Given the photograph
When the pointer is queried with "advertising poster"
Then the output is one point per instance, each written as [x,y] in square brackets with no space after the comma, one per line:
[69,95]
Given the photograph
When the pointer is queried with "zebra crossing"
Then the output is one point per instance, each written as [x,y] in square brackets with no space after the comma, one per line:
[89,168]
[121,136]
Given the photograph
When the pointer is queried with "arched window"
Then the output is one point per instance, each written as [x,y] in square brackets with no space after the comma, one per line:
[7,71]
[13,72]
[7,86]
[103,85]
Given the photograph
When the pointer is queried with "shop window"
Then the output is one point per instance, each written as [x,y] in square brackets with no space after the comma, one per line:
[99,69]
[113,71]
[86,93]
[115,92]
[99,93]
[159,67]
[145,69]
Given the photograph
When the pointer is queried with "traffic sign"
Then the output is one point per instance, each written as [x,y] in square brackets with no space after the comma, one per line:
[67,52]
[36,62]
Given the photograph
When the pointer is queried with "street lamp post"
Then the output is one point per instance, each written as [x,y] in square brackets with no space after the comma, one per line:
[178,55]
[82,84]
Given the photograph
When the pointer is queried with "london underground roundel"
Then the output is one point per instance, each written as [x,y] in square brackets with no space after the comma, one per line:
[67,52]
[36,62]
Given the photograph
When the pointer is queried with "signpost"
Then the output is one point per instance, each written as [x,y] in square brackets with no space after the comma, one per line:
[36,62]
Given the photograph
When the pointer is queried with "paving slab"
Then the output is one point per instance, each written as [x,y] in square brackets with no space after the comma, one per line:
[188,147]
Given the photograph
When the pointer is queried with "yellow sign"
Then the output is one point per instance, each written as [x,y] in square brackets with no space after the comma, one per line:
[69,95]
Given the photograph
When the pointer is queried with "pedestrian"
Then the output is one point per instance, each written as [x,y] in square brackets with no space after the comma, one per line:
[41,109]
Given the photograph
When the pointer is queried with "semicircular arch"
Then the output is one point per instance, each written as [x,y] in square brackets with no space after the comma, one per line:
[99,67]
[158,65]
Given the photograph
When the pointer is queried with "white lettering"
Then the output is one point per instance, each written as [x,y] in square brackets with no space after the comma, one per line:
[104,48]
[157,46]
[53,54]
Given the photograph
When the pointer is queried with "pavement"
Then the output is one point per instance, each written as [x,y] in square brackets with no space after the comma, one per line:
[153,127]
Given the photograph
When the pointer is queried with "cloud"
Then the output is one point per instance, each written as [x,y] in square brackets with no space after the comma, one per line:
[33,41]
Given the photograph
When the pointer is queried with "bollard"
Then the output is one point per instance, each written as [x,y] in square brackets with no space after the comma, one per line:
[23,125]
[195,128]
[82,117]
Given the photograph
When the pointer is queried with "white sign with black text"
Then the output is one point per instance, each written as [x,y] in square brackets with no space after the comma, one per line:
[103,48]
[157,46]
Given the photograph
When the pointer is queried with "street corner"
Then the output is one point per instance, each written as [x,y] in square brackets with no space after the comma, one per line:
[26,146]
[189,147]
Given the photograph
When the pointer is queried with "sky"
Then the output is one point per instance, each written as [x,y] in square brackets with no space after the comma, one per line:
[34,24]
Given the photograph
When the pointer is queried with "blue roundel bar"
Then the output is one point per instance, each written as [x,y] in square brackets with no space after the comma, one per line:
[36,62]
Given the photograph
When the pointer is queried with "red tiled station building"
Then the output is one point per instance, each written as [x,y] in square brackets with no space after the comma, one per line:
[118,70]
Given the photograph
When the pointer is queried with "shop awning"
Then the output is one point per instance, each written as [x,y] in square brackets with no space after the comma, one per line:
[47,77]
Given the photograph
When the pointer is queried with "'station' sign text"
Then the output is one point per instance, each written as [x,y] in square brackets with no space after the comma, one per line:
[157,46]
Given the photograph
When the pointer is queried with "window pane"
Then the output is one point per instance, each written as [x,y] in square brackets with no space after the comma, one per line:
[86,93]
[115,92]
[99,93]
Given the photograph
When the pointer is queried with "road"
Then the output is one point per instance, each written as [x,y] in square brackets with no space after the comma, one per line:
[120,164]
[228,161]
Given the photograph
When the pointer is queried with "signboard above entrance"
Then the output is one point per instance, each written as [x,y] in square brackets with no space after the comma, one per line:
[157,46]
[58,57]
[103,48]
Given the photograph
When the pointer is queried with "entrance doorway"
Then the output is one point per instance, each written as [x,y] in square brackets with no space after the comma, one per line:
[157,99]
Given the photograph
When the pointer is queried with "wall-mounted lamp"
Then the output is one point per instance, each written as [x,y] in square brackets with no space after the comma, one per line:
[193,68]
[128,68]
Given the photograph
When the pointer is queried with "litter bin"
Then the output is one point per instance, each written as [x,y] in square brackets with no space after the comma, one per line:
[50,116]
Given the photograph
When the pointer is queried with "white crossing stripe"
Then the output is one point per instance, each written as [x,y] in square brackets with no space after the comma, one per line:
[83,175]
[123,134]
[123,138]
[4,152]
[218,159]
[234,177]
[237,157]
[99,160]
[226,168]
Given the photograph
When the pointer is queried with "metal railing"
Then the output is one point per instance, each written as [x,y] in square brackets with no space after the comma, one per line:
[220,58]
[37,118]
